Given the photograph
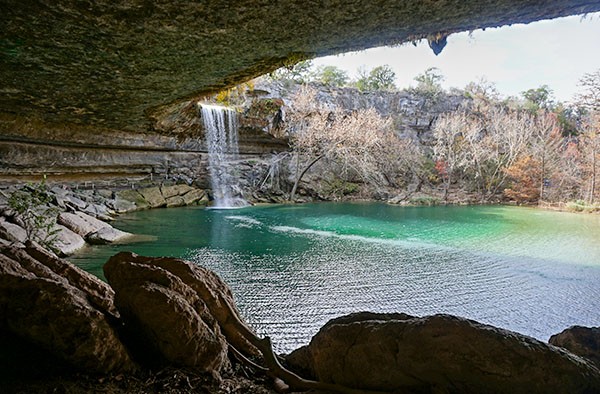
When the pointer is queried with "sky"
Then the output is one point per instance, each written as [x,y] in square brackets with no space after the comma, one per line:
[519,57]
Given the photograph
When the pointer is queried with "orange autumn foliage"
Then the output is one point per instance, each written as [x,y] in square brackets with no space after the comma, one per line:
[525,180]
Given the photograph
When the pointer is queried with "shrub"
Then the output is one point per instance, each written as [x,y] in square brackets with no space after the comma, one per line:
[39,218]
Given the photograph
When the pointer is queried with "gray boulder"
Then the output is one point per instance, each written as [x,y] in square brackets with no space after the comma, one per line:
[106,235]
[439,353]
[12,232]
[93,230]
[67,242]
[80,222]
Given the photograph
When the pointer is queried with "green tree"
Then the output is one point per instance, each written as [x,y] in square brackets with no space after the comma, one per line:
[32,205]
[363,82]
[300,72]
[538,98]
[429,83]
[382,78]
[379,78]
[429,92]
[331,76]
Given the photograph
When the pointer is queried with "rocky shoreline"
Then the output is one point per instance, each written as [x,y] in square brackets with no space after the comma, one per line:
[83,216]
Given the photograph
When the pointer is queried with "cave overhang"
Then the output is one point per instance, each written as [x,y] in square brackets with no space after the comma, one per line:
[117,64]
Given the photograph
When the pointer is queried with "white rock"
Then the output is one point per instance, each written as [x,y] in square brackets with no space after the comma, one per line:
[11,232]
[67,242]
[106,235]
[81,223]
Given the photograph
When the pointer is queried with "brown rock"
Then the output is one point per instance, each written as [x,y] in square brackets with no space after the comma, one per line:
[209,287]
[195,196]
[98,293]
[582,341]
[175,190]
[56,316]
[441,353]
[153,197]
[169,321]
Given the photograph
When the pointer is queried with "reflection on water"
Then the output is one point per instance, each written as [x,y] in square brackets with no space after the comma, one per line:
[292,268]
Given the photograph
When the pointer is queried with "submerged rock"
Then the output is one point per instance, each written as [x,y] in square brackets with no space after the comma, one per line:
[582,341]
[55,306]
[439,353]
[166,320]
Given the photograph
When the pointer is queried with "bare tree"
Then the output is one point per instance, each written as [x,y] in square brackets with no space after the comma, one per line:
[590,148]
[360,143]
[590,97]
[448,149]
[480,145]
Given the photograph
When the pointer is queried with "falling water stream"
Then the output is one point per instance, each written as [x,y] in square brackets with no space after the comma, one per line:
[220,124]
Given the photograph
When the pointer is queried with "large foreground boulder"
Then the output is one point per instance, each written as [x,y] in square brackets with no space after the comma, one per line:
[168,322]
[582,341]
[439,353]
[53,305]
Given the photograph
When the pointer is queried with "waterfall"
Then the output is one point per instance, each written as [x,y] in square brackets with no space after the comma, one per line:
[220,124]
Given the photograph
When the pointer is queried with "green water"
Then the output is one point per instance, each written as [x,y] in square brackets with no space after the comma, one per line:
[293,267]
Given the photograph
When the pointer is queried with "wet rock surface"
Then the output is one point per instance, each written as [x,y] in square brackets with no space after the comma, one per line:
[583,341]
[439,353]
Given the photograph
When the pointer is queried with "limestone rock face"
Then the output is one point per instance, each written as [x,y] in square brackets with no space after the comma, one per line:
[582,341]
[170,322]
[441,353]
[143,55]
[54,305]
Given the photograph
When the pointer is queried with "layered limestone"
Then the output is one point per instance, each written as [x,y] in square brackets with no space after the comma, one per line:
[116,64]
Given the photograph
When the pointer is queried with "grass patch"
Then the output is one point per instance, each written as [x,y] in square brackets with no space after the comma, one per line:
[582,206]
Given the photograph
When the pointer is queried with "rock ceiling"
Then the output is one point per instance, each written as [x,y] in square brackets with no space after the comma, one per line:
[112,64]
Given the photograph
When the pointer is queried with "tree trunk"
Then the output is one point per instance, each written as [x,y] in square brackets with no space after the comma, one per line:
[293,193]
[542,177]
[593,188]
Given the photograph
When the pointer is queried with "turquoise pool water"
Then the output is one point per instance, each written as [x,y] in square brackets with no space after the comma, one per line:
[293,267]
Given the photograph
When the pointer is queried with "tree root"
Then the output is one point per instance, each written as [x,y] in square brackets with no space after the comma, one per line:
[234,326]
